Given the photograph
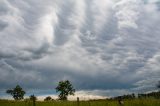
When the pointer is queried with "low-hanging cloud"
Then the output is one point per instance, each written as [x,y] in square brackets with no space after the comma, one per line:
[90,42]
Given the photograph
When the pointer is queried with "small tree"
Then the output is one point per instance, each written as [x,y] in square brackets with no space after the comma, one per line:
[48,98]
[65,88]
[33,98]
[16,92]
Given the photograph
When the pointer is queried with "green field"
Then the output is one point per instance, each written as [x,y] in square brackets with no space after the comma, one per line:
[134,102]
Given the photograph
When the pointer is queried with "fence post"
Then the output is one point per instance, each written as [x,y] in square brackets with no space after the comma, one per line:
[34,101]
[77,101]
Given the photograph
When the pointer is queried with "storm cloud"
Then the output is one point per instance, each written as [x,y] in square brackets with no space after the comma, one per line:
[106,46]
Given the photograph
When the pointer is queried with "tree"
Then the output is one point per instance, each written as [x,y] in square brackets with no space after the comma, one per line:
[33,98]
[16,92]
[65,88]
[48,98]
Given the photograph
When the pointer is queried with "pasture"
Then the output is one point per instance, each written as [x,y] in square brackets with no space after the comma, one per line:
[132,102]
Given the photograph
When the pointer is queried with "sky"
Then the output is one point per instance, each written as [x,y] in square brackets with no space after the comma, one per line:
[104,47]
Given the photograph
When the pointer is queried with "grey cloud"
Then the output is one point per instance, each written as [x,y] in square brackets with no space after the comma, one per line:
[3,25]
[64,29]
[97,45]
[4,7]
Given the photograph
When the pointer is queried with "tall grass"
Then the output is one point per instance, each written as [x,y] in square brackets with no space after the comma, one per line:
[133,102]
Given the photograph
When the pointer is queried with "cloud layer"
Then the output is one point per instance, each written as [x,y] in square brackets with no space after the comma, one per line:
[107,45]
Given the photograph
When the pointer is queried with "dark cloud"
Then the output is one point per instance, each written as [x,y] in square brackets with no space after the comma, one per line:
[107,46]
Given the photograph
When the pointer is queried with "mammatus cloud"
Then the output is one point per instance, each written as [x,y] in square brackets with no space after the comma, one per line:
[100,46]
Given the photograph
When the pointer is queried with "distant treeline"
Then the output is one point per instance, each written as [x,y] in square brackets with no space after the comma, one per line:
[129,96]
[133,96]
[148,95]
